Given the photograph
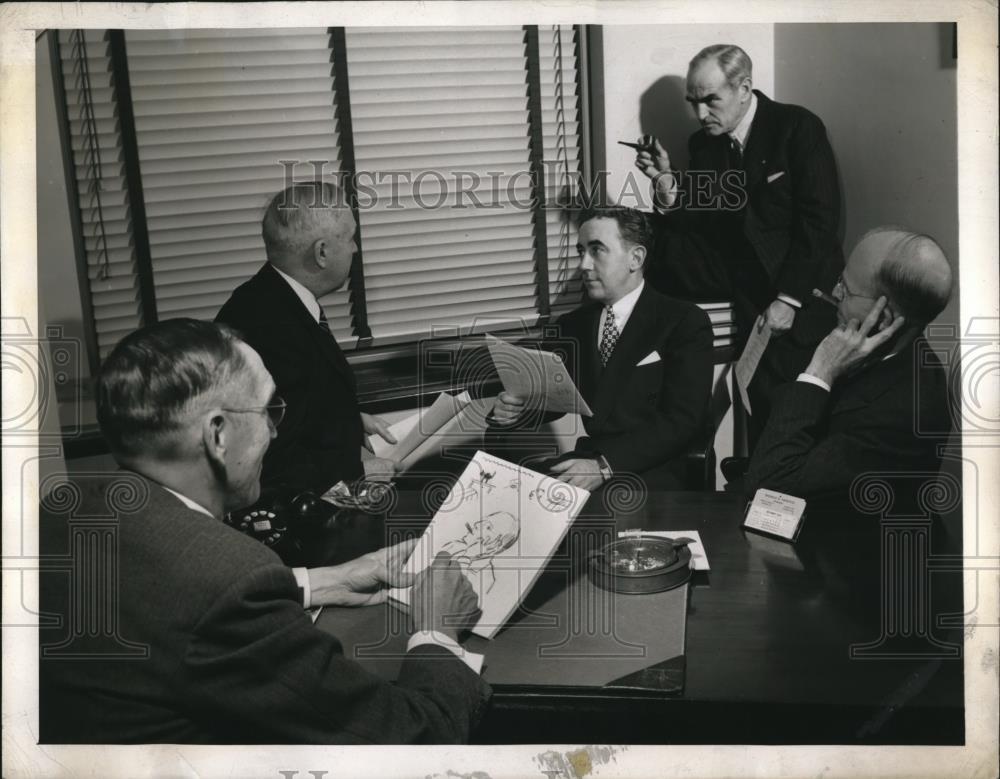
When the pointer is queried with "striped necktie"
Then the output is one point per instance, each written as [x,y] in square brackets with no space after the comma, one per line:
[609,335]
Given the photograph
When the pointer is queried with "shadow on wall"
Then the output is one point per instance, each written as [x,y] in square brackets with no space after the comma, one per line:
[665,114]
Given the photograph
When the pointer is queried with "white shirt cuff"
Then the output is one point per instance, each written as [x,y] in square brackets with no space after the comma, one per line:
[302,579]
[810,379]
[789,300]
[471,659]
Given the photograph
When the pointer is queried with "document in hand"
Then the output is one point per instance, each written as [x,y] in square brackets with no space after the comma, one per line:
[746,367]
[539,377]
[411,432]
[500,523]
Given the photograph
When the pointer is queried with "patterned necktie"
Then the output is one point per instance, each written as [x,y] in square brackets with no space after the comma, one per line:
[324,322]
[609,335]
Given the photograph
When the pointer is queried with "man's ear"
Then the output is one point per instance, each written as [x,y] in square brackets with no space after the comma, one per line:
[746,89]
[321,252]
[887,317]
[214,435]
[637,258]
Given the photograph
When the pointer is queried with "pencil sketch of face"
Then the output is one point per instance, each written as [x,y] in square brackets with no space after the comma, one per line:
[486,537]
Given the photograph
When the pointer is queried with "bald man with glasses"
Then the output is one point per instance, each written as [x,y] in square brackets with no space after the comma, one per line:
[873,390]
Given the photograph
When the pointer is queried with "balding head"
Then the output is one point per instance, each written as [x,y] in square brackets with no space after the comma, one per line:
[909,268]
[309,234]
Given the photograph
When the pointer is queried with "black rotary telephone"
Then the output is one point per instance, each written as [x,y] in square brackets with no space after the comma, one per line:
[284,519]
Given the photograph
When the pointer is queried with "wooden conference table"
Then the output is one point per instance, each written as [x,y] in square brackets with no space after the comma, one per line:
[784,643]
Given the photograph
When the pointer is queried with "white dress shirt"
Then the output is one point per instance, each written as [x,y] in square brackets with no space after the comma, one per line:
[471,659]
[308,298]
[623,310]
[742,129]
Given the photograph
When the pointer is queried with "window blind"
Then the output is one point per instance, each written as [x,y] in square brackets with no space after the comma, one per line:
[101,187]
[443,112]
[449,250]
[558,58]
[216,112]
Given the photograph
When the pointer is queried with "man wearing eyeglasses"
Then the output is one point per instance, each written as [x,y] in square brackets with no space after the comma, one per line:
[176,628]
[874,396]
[309,240]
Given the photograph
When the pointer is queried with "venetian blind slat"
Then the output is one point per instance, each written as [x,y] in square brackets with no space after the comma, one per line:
[216,116]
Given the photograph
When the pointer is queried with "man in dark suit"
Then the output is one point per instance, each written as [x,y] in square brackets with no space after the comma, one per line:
[874,396]
[642,361]
[173,627]
[754,220]
[309,239]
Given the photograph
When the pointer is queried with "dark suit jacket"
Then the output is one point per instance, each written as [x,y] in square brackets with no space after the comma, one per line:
[890,416]
[645,417]
[319,441]
[784,240]
[232,656]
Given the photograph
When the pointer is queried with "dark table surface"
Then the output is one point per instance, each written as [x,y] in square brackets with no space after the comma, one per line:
[828,640]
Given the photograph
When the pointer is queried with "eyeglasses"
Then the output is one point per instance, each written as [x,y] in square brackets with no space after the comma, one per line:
[842,286]
[275,410]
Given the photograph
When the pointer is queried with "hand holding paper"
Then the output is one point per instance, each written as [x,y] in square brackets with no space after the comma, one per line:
[746,367]
[537,377]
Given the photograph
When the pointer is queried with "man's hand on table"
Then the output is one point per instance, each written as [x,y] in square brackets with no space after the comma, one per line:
[364,580]
[442,599]
[507,409]
[652,159]
[580,472]
[847,347]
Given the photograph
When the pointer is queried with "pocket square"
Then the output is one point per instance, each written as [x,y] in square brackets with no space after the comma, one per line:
[775,176]
[649,359]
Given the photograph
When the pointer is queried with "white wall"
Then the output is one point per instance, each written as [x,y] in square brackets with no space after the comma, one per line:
[890,112]
[644,72]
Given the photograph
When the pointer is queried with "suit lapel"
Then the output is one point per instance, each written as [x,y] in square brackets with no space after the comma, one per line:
[284,297]
[634,343]
[871,383]
[758,142]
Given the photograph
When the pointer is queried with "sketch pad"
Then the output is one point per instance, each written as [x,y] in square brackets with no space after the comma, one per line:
[501,523]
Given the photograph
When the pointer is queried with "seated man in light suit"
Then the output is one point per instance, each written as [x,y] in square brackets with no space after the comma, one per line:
[874,397]
[309,238]
[230,654]
[641,360]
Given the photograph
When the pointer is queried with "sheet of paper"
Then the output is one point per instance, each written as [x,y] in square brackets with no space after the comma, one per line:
[746,366]
[538,376]
[699,560]
[418,427]
[500,523]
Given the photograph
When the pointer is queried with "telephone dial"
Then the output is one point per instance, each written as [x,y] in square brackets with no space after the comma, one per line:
[284,519]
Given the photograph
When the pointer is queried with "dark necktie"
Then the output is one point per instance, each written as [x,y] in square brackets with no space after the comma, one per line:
[324,322]
[735,154]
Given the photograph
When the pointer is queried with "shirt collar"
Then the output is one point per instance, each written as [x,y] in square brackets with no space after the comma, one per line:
[308,298]
[743,128]
[189,503]
[623,308]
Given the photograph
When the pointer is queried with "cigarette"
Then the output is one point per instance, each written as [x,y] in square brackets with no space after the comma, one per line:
[823,296]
